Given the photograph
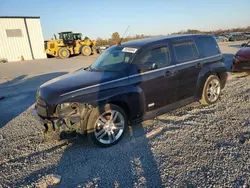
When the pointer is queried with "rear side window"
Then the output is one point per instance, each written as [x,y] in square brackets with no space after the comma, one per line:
[185,51]
[159,56]
[207,46]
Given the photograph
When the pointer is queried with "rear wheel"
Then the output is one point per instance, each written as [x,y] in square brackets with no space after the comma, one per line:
[107,125]
[86,51]
[63,53]
[211,90]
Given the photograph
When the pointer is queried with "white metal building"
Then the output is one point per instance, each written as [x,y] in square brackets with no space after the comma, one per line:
[21,36]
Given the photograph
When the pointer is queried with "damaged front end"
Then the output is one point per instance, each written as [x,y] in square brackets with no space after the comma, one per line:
[67,117]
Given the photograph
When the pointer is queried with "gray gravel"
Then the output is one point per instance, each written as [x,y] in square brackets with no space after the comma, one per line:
[197,147]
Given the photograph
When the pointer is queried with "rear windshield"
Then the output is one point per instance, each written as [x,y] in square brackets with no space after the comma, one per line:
[207,46]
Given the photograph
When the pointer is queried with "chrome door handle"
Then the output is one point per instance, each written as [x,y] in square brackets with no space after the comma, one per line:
[170,73]
[198,65]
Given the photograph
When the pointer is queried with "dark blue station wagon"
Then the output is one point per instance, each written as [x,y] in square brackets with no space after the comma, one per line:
[132,82]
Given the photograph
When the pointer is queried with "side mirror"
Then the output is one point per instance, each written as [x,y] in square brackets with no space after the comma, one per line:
[244,44]
[154,66]
[147,66]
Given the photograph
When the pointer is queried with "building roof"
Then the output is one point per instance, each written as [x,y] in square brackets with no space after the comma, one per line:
[66,32]
[141,42]
[35,17]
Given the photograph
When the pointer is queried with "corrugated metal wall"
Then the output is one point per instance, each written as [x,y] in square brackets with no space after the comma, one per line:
[36,38]
[12,48]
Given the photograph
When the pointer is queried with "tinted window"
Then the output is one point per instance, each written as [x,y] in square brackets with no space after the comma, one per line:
[207,46]
[159,56]
[185,51]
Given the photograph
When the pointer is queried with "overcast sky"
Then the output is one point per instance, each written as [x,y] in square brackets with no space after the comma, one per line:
[100,18]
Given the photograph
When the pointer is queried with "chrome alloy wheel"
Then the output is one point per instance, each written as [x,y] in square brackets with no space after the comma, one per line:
[109,127]
[213,90]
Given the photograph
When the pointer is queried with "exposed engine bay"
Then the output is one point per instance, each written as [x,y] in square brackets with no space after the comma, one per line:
[69,117]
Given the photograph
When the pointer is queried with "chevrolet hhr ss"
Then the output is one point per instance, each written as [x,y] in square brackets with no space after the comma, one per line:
[131,82]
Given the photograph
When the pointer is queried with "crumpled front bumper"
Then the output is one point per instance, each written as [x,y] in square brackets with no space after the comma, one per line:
[35,114]
[49,125]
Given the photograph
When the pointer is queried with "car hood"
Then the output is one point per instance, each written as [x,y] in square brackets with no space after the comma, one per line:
[53,89]
[245,51]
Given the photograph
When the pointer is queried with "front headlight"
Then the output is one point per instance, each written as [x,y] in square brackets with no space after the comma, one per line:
[235,56]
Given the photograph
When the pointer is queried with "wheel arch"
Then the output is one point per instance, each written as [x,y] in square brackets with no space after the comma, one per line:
[132,102]
[203,76]
[123,105]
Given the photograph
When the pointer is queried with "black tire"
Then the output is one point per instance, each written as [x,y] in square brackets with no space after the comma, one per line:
[86,51]
[50,56]
[63,53]
[206,97]
[94,128]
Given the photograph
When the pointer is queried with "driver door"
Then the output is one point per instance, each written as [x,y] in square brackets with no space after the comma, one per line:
[157,79]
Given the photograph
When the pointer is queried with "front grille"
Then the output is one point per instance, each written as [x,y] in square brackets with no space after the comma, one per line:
[41,111]
[40,101]
[244,65]
[41,106]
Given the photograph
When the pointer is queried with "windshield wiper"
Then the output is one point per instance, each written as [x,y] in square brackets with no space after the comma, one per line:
[97,70]
[86,68]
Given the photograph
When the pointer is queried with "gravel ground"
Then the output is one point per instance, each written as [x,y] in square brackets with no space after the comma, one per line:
[195,146]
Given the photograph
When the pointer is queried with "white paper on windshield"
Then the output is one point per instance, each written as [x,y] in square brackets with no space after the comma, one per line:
[129,50]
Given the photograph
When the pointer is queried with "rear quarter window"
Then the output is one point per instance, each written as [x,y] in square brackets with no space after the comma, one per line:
[207,46]
[185,51]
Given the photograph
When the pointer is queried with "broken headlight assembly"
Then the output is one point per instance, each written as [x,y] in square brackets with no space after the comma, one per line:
[66,109]
[71,115]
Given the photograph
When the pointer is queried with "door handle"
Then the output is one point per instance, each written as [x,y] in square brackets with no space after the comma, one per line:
[170,73]
[199,65]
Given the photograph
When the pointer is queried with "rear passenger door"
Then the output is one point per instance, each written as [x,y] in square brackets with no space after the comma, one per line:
[188,67]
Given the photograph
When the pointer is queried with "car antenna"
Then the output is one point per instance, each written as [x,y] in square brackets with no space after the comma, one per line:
[119,43]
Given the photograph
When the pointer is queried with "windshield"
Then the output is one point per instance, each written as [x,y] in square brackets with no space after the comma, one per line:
[66,36]
[115,58]
[77,36]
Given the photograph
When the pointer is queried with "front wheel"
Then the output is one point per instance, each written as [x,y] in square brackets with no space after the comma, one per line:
[211,90]
[86,50]
[107,125]
[63,53]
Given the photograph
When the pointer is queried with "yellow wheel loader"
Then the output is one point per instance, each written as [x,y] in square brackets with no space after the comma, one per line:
[69,43]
